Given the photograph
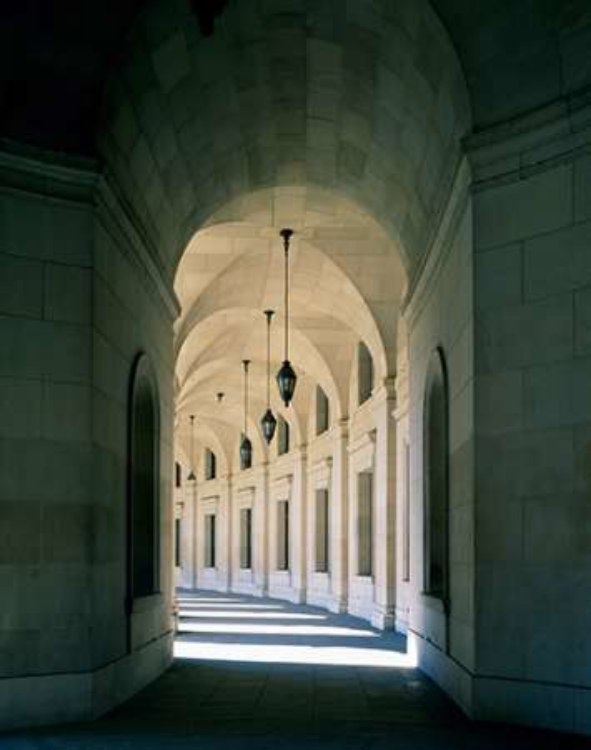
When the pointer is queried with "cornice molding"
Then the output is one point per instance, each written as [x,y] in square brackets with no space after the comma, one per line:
[34,172]
[530,143]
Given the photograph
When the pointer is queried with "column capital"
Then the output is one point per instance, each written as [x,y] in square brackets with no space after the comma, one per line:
[386,391]
[340,428]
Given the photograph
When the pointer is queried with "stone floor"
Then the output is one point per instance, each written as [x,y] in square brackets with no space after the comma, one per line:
[266,675]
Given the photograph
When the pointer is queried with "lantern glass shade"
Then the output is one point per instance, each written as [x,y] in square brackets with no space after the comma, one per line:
[245,453]
[268,425]
[286,380]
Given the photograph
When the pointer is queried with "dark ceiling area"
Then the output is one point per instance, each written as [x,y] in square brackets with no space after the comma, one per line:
[55,57]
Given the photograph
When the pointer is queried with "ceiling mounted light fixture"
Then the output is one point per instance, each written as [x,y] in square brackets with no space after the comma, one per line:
[268,422]
[245,445]
[286,377]
[192,477]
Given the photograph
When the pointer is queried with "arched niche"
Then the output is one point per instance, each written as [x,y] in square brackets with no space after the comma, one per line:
[144,482]
[436,478]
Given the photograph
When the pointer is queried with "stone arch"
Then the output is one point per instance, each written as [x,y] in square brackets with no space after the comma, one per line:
[337,94]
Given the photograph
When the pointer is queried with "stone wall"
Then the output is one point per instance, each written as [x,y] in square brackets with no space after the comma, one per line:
[532,236]
[73,314]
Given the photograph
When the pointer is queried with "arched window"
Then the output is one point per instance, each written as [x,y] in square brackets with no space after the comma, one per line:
[178,475]
[435,473]
[364,373]
[282,436]
[143,525]
[322,411]
[210,464]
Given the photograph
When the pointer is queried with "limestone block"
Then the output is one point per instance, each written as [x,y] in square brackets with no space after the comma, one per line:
[22,346]
[66,352]
[110,369]
[20,538]
[583,189]
[499,402]
[583,321]
[497,277]
[19,652]
[582,448]
[525,335]
[540,705]
[66,412]
[499,529]
[548,396]
[462,591]
[171,61]
[501,593]
[34,228]
[20,408]
[550,523]
[66,532]
[498,467]
[165,146]
[323,103]
[63,472]
[462,534]
[21,286]
[67,293]
[547,461]
[461,418]
[540,203]
[461,475]
[557,262]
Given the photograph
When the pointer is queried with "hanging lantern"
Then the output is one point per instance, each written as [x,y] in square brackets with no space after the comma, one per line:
[245,444]
[268,422]
[191,477]
[286,377]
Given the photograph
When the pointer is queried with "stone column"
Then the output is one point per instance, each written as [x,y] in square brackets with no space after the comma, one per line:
[226,522]
[265,507]
[188,537]
[339,519]
[228,501]
[384,532]
[260,529]
[298,511]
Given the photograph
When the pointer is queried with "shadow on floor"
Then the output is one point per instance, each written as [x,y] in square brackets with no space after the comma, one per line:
[263,687]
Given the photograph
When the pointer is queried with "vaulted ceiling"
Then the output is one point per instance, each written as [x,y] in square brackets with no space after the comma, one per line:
[55,57]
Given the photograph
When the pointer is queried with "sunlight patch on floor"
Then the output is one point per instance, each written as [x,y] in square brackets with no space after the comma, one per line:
[246,629]
[246,614]
[321,655]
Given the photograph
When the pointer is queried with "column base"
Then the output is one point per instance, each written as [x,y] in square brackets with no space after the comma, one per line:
[338,604]
[384,617]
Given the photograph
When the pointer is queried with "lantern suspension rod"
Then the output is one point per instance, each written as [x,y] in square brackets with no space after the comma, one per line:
[246,363]
[269,314]
[286,234]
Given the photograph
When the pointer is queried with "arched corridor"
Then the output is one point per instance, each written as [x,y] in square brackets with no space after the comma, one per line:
[295,313]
